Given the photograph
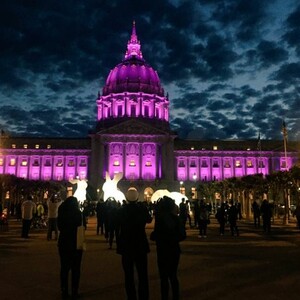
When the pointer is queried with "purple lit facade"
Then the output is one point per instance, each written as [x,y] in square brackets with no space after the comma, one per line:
[44,159]
[133,136]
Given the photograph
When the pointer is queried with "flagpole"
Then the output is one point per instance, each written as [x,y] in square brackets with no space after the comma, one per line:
[284,132]
[259,149]
[287,196]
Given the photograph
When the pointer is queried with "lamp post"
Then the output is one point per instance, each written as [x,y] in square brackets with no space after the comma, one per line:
[195,189]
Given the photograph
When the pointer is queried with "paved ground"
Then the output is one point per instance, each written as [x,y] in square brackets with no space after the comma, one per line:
[252,266]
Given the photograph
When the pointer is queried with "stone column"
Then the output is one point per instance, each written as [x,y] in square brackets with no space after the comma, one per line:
[97,161]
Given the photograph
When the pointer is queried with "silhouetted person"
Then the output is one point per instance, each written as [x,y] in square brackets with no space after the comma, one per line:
[203,219]
[266,213]
[296,214]
[53,203]
[69,218]
[100,212]
[28,209]
[183,211]
[196,207]
[112,211]
[232,214]
[256,213]
[221,217]
[168,232]
[132,244]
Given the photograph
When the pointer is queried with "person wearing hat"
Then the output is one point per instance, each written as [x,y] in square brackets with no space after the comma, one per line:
[132,244]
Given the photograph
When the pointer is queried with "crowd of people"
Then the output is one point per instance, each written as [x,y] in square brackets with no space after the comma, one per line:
[124,224]
[226,213]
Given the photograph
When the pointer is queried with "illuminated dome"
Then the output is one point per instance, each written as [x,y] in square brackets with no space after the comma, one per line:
[133,74]
[133,90]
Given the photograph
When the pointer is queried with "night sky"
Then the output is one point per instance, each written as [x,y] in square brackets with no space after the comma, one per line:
[231,67]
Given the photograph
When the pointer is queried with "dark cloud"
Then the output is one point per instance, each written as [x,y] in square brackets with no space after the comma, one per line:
[288,73]
[247,16]
[219,105]
[247,91]
[292,36]
[230,66]
[190,101]
[269,53]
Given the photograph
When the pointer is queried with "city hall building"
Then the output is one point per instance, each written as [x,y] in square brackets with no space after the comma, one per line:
[133,136]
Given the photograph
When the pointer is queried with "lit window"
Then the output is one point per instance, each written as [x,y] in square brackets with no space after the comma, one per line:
[12,162]
[47,162]
[204,164]
[71,163]
[181,164]
[238,163]
[215,147]
[37,146]
[25,146]
[132,163]
[116,163]
[1,161]
[82,163]
[226,164]
[36,163]
[24,162]
[249,163]
[215,164]
[59,163]
[13,146]
[148,164]
[48,146]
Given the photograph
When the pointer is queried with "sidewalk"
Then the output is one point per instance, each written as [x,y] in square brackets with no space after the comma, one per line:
[252,266]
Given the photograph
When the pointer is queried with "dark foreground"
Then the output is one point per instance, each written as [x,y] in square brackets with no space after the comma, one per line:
[252,266]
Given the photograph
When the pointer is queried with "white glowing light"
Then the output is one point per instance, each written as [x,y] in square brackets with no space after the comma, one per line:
[110,188]
[176,196]
[80,192]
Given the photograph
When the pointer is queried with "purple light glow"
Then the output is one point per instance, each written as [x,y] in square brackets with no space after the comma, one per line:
[138,143]
[135,160]
[45,166]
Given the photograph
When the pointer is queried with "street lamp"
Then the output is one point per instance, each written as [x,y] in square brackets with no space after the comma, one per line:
[194,190]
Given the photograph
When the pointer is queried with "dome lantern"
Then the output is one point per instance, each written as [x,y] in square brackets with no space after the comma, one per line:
[133,45]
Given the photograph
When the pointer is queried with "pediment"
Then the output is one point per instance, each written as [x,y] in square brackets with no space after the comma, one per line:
[133,127]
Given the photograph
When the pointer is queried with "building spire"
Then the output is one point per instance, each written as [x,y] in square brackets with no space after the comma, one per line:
[133,45]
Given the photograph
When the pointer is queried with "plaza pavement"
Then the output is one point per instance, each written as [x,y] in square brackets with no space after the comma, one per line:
[252,266]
